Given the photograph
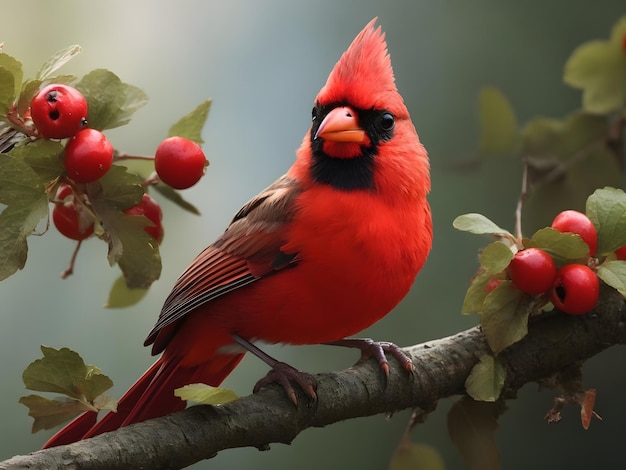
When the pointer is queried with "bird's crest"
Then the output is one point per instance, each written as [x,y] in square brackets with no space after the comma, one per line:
[363,76]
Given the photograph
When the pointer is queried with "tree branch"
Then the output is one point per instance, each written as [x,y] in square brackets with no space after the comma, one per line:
[554,343]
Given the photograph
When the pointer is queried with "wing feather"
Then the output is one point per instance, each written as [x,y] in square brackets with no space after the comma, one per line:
[247,251]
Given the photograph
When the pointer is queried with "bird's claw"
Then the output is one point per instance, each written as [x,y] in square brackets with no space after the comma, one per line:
[283,374]
[377,349]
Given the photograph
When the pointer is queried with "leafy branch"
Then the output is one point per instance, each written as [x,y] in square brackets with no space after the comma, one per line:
[441,369]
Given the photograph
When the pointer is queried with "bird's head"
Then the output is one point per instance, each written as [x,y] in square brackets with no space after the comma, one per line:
[359,119]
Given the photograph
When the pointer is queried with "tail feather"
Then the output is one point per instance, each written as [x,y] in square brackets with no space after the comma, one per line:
[151,396]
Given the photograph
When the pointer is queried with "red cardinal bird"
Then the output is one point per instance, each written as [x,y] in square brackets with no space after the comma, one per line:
[324,252]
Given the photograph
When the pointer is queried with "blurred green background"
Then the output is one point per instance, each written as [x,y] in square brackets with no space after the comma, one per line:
[263,62]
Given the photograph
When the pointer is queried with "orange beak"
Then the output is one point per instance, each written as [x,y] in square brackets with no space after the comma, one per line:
[340,125]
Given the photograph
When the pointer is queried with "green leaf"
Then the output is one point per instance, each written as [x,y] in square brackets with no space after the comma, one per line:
[606,208]
[134,250]
[472,427]
[618,32]
[411,456]
[57,61]
[15,67]
[563,246]
[486,380]
[51,413]
[21,190]
[118,188]
[43,156]
[495,257]
[170,193]
[613,273]
[476,294]
[190,126]
[556,140]
[479,225]
[599,69]
[63,371]
[7,91]
[205,394]
[122,296]
[504,320]
[498,124]
[570,190]
[111,102]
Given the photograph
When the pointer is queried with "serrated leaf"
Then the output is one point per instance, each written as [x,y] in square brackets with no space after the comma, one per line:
[475,295]
[134,250]
[121,295]
[613,273]
[472,426]
[606,208]
[495,257]
[190,126]
[15,67]
[57,61]
[479,225]
[563,246]
[7,91]
[486,380]
[51,413]
[412,456]
[504,320]
[111,102]
[205,394]
[170,193]
[498,125]
[599,69]
[118,188]
[22,192]
[64,371]
[43,156]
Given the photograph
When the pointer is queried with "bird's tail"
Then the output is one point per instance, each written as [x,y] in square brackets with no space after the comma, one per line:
[150,397]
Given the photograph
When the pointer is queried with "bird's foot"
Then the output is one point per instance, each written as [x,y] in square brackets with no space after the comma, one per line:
[284,375]
[377,349]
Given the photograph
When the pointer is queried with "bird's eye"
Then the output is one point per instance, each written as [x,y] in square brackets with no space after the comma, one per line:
[313,114]
[387,121]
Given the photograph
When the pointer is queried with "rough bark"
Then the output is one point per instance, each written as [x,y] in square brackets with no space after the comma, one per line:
[554,343]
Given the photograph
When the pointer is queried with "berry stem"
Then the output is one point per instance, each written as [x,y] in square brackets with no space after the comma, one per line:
[70,269]
[125,156]
[152,179]
[520,204]
[18,123]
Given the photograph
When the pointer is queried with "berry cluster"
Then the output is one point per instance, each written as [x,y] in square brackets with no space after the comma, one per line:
[61,112]
[573,288]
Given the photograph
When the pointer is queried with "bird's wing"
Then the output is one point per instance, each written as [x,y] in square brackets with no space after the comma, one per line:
[247,251]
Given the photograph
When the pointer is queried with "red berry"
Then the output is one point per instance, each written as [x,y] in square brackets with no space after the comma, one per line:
[621,253]
[150,208]
[88,156]
[575,289]
[578,223]
[624,43]
[532,271]
[58,111]
[69,217]
[179,162]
